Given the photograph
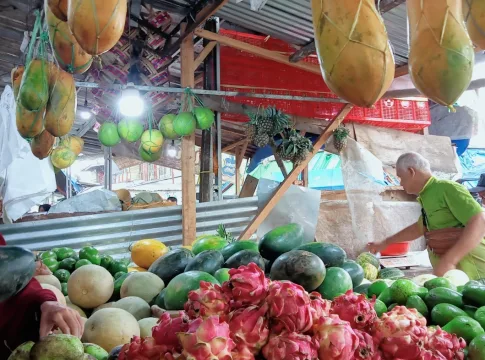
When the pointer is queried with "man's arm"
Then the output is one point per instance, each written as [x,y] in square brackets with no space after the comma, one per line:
[410,233]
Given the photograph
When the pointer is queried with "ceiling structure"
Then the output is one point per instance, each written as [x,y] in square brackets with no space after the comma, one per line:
[288,20]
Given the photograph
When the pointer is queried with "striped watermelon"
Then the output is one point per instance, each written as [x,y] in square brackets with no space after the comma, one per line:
[368,258]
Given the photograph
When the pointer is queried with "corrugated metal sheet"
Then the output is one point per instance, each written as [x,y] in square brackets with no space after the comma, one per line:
[291,21]
[113,233]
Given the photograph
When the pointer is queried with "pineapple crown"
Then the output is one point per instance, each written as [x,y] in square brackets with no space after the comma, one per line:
[277,118]
[294,143]
[222,232]
[341,133]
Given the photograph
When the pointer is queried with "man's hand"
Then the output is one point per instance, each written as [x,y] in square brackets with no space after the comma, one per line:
[443,267]
[376,247]
[41,269]
[55,315]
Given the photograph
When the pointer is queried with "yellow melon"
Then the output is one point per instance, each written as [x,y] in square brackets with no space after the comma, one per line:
[60,297]
[145,252]
[474,13]
[90,286]
[50,280]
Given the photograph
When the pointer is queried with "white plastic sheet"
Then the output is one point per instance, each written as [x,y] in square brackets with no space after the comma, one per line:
[93,201]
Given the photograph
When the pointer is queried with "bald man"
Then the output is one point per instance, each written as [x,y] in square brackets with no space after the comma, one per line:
[452,222]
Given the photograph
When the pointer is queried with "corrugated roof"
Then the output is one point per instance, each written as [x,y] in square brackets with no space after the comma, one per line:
[291,21]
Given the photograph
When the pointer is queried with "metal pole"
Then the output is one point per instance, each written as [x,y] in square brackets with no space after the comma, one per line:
[219,120]
[68,183]
[106,167]
[110,168]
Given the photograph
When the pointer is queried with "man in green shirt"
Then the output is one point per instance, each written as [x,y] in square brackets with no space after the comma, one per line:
[447,206]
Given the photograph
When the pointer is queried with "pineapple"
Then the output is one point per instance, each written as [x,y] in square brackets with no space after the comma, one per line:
[340,138]
[251,131]
[261,139]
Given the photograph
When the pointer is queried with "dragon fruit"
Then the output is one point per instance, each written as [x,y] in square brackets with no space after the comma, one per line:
[443,346]
[165,332]
[292,346]
[208,300]
[247,286]
[366,350]
[320,307]
[249,328]
[289,307]
[355,309]
[336,338]
[143,349]
[401,334]
[207,339]
[242,353]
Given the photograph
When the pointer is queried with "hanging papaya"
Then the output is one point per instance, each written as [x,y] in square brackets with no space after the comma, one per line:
[70,56]
[474,14]
[62,157]
[58,8]
[16,75]
[97,25]
[441,54]
[42,144]
[75,143]
[353,49]
[61,108]
[34,88]
[29,123]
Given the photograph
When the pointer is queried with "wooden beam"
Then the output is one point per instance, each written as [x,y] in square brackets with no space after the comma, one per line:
[233,145]
[204,53]
[267,54]
[239,159]
[280,162]
[189,229]
[285,185]
[249,186]
[401,71]
[304,174]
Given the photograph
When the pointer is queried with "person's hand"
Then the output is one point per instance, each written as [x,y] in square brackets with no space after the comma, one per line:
[41,269]
[376,247]
[443,267]
[55,315]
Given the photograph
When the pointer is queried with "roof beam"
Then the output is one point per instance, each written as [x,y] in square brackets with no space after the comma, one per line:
[308,49]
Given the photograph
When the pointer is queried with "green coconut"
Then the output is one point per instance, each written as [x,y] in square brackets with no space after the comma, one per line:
[130,129]
[152,141]
[184,124]
[148,156]
[108,134]
[204,117]
[166,127]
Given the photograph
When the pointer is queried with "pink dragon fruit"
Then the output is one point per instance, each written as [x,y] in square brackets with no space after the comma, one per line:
[142,349]
[208,300]
[320,307]
[292,346]
[165,332]
[443,346]
[355,309]
[289,307]
[247,286]
[207,339]
[366,350]
[401,334]
[249,328]
[242,353]
[336,338]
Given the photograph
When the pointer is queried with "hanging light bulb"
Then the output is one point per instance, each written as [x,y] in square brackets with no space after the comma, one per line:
[131,103]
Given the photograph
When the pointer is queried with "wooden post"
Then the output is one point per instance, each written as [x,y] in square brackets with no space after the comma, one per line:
[305,176]
[240,152]
[188,148]
[285,185]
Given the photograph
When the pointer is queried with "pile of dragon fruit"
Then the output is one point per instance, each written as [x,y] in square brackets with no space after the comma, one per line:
[250,317]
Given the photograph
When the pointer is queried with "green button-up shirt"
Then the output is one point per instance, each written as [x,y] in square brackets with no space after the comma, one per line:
[447,204]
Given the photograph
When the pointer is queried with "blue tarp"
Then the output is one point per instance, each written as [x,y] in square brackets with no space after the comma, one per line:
[473,164]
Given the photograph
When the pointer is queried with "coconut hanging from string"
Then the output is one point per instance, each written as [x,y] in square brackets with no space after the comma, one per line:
[166,127]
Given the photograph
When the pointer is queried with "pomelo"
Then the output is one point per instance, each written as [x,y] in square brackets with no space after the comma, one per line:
[59,346]
[152,141]
[90,286]
[184,124]
[75,143]
[166,127]
[148,157]
[204,118]
[108,134]
[62,157]
[130,129]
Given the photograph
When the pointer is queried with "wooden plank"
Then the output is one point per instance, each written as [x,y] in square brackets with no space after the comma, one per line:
[292,176]
[249,186]
[204,53]
[188,151]
[267,54]
[280,162]
[233,145]
[401,71]
[305,176]
[237,174]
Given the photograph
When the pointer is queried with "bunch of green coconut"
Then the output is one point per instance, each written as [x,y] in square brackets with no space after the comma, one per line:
[171,126]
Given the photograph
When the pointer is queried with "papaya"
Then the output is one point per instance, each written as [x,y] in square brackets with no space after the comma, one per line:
[61,108]
[441,53]
[29,123]
[344,29]
[62,157]
[34,88]
[70,56]
[474,15]
[58,8]
[97,25]
[41,144]
[75,143]
[16,75]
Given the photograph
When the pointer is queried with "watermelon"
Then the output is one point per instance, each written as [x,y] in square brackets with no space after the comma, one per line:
[108,134]
[237,246]
[337,282]
[166,127]
[208,242]
[390,273]
[177,291]
[130,129]
[184,124]
[368,258]
[301,267]
[331,255]
[19,264]
[171,264]
[204,118]
[208,261]
[280,240]
[222,275]
[159,300]
[245,257]
[362,289]
[355,271]
[370,272]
